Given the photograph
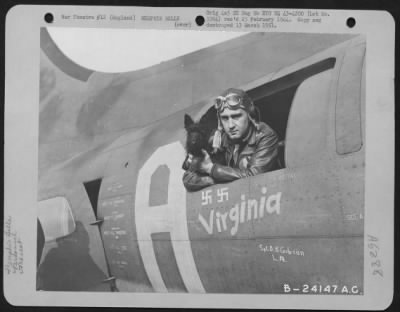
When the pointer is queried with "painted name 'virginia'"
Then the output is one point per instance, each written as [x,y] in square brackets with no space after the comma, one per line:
[245,211]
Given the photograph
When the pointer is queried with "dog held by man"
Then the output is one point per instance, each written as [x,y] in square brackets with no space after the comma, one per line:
[248,147]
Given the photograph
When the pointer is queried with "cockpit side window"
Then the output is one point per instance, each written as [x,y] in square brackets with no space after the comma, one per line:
[274,99]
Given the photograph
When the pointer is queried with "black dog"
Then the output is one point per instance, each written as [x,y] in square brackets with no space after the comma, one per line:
[199,137]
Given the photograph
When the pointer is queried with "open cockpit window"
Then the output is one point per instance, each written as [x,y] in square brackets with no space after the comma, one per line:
[274,101]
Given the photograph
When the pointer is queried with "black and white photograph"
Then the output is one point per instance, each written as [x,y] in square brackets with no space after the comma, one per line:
[201,162]
[235,168]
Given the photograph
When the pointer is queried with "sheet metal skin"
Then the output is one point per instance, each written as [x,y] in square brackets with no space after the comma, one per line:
[157,237]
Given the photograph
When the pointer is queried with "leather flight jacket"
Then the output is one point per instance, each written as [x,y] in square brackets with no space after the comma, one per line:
[257,153]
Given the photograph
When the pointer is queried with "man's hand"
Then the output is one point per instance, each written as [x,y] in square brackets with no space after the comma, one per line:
[206,165]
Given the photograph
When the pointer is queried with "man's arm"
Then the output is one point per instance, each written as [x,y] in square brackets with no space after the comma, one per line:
[194,182]
[263,159]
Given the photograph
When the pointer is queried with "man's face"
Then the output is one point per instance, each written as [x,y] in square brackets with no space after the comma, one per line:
[235,123]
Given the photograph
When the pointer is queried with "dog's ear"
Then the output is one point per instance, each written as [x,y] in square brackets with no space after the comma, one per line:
[188,121]
[209,119]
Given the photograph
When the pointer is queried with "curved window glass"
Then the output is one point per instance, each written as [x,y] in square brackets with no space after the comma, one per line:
[56,218]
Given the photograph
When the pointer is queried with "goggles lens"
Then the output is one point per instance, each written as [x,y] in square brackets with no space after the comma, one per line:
[232,101]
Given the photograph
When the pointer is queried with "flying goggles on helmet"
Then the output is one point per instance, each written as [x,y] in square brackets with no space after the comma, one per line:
[232,101]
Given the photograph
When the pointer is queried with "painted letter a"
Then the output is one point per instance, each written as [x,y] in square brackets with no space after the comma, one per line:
[170,217]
